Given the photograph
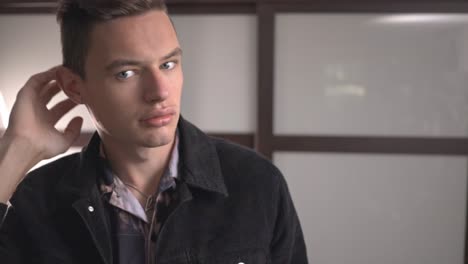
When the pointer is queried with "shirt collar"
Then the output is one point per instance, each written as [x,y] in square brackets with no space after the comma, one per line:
[167,179]
[119,194]
[199,164]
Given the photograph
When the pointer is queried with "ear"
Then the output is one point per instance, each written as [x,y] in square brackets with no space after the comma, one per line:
[71,84]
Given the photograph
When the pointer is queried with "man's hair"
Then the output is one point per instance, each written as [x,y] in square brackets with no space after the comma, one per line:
[77,19]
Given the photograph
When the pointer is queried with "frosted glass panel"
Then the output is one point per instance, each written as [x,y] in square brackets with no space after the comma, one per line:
[385,209]
[219,66]
[371,74]
[220,70]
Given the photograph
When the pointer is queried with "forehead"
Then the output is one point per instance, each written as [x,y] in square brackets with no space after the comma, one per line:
[150,34]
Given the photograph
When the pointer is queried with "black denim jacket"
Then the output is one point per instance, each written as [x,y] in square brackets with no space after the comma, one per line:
[235,208]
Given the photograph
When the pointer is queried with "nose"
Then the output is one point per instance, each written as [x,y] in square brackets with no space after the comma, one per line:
[156,86]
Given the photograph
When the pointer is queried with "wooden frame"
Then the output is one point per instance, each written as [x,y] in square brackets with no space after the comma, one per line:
[267,142]
[265,49]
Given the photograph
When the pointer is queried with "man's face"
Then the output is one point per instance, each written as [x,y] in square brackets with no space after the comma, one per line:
[134,79]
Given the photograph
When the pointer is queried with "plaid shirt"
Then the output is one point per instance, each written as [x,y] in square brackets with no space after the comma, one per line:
[134,229]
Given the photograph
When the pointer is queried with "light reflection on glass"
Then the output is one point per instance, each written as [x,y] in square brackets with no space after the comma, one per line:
[422,18]
[346,90]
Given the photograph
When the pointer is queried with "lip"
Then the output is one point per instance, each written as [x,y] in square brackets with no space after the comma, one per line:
[159,118]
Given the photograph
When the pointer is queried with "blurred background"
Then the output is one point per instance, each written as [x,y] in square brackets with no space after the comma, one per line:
[363,105]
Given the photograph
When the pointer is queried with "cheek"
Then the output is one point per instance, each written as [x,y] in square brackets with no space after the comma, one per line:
[181,82]
[106,105]
[115,93]
[178,83]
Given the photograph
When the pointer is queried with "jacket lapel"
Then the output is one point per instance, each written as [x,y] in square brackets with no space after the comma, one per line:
[93,215]
[82,184]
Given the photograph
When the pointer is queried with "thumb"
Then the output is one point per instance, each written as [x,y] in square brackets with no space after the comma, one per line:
[73,129]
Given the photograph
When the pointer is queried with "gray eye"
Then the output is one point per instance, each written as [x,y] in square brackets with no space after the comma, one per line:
[168,65]
[125,75]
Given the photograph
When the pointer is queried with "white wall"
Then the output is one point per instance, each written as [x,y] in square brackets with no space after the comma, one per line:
[31,44]
[220,71]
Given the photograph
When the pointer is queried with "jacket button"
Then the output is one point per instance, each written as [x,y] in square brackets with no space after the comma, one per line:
[91,209]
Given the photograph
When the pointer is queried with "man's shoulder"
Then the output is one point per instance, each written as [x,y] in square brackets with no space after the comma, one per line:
[46,177]
[244,163]
[238,164]
[236,153]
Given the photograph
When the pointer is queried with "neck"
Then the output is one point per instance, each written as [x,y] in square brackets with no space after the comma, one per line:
[139,166]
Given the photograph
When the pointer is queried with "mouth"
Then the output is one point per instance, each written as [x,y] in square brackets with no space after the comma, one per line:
[159,118]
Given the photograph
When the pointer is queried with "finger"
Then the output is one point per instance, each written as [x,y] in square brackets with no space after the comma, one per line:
[60,109]
[38,81]
[73,129]
[52,89]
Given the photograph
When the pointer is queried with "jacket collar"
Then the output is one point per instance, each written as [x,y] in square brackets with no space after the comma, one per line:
[199,164]
[199,159]
[82,178]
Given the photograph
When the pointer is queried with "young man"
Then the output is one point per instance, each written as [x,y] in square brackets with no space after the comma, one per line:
[150,187]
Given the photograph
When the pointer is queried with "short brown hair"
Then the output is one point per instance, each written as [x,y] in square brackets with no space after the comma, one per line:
[78,17]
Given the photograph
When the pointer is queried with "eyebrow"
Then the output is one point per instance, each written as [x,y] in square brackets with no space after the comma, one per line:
[123,62]
[176,52]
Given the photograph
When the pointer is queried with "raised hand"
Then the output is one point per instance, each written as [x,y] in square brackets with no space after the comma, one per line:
[32,121]
[31,135]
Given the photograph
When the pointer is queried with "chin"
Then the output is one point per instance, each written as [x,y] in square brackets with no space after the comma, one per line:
[155,141]
[155,144]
